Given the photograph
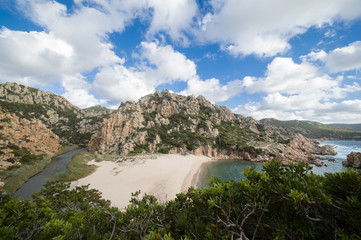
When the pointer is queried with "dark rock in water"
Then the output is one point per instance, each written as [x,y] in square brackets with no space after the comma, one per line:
[353,160]
[325,158]
[318,163]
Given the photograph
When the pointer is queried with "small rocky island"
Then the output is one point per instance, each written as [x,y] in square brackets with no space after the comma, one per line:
[353,160]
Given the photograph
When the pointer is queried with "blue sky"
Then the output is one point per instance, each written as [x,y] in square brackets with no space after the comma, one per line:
[283,59]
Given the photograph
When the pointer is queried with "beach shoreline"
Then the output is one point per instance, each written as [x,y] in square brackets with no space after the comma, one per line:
[163,177]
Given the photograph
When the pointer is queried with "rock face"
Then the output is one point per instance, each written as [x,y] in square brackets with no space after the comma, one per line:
[19,133]
[72,124]
[169,123]
[353,160]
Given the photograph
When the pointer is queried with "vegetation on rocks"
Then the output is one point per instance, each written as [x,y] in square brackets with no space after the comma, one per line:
[166,122]
[315,130]
[72,124]
[277,203]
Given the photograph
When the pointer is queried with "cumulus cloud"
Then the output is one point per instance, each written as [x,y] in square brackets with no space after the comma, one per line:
[212,89]
[77,91]
[264,28]
[117,83]
[173,17]
[35,54]
[163,64]
[75,42]
[159,65]
[298,91]
[285,76]
[344,59]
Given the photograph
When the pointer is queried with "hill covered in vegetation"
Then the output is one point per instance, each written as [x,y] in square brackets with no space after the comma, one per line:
[347,126]
[314,130]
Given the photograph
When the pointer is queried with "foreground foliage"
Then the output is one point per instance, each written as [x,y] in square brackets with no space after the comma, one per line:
[277,203]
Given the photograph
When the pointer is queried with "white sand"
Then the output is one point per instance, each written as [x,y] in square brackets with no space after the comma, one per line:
[163,177]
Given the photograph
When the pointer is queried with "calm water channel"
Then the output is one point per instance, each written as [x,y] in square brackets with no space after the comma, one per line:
[36,182]
[228,170]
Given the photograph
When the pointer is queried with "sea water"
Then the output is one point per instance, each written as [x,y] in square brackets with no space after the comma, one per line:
[233,169]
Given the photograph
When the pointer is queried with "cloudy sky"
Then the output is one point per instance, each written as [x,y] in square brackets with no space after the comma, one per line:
[298,59]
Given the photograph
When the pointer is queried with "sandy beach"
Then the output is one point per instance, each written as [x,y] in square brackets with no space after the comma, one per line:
[163,177]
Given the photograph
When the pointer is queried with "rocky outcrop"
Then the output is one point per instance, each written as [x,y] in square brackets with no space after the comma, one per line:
[72,124]
[22,134]
[168,123]
[311,146]
[353,160]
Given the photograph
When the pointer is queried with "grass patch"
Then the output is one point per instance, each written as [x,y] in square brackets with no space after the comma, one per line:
[15,177]
[66,149]
[77,167]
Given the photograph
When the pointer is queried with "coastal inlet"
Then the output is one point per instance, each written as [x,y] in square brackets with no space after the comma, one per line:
[232,169]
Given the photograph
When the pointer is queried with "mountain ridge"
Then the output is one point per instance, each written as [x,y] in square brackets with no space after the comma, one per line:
[72,124]
[166,122]
[162,122]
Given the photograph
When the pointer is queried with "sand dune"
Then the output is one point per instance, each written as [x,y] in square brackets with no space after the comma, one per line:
[162,177]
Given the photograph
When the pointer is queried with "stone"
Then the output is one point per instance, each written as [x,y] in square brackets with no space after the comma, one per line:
[32,135]
[353,160]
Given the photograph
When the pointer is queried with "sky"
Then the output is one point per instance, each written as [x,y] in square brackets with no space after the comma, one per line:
[282,59]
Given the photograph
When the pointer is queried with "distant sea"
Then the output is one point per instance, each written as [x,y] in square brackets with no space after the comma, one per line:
[232,169]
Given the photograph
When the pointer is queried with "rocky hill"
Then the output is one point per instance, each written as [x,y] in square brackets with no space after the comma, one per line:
[20,139]
[169,123]
[314,130]
[72,124]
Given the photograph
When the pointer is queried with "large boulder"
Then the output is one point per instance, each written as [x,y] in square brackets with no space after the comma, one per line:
[327,150]
[353,160]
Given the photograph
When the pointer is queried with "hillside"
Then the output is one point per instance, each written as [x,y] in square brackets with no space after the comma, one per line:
[165,122]
[313,129]
[72,124]
[21,140]
[348,126]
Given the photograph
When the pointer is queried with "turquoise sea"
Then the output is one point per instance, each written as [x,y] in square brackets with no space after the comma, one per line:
[232,169]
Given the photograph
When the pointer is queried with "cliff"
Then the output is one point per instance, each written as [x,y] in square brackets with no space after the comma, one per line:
[20,138]
[72,124]
[170,123]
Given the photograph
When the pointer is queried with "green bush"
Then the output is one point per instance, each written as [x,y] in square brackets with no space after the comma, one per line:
[276,203]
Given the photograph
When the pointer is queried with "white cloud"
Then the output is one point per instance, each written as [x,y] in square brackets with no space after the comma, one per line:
[212,89]
[344,59]
[338,60]
[163,64]
[300,91]
[174,17]
[76,42]
[117,83]
[264,27]
[285,76]
[77,92]
[159,65]
[35,54]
